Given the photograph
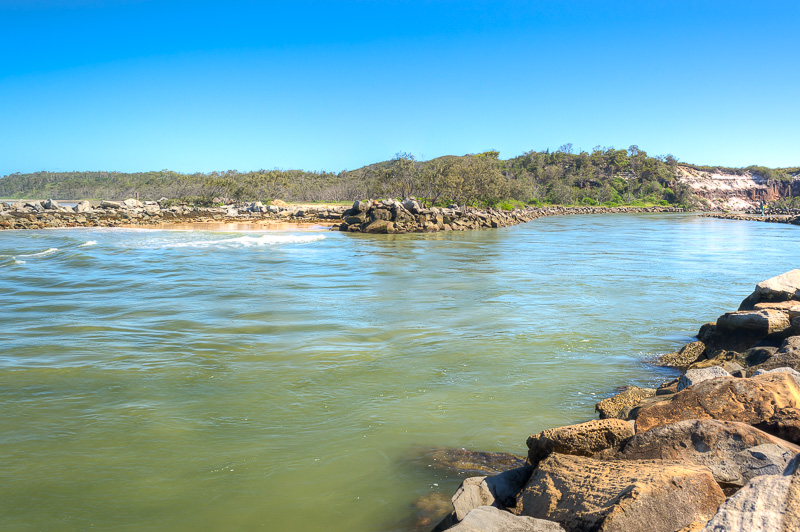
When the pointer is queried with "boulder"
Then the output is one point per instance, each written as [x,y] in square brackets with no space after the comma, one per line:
[499,490]
[412,205]
[583,439]
[380,226]
[105,204]
[784,424]
[790,308]
[51,204]
[361,206]
[584,494]
[764,322]
[769,503]
[793,372]
[490,519]
[694,376]
[723,359]
[83,206]
[751,400]
[783,287]
[132,203]
[617,405]
[787,356]
[734,452]
[685,356]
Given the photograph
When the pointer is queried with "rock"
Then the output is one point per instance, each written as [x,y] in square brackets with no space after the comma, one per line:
[793,372]
[464,461]
[734,452]
[721,359]
[583,439]
[784,424]
[51,204]
[278,203]
[758,355]
[361,206]
[105,204]
[685,356]
[584,494]
[764,322]
[498,490]
[411,205]
[355,220]
[230,210]
[694,376]
[618,405]
[787,356]
[132,203]
[380,214]
[83,206]
[783,287]
[380,226]
[790,308]
[769,503]
[427,512]
[489,519]
[668,388]
[751,401]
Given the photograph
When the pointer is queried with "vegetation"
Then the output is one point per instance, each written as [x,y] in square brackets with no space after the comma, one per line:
[606,176]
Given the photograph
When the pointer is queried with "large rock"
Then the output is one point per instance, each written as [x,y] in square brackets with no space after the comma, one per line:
[489,519]
[734,452]
[694,376]
[498,490]
[752,400]
[769,503]
[584,494]
[380,226]
[764,322]
[467,462]
[618,405]
[787,356]
[784,424]
[685,356]
[793,372]
[583,439]
[784,287]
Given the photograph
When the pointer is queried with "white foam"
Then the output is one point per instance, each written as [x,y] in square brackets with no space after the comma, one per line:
[248,241]
[89,243]
[19,261]
[44,253]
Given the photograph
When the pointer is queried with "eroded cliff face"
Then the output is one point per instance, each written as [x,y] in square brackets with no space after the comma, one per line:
[728,190]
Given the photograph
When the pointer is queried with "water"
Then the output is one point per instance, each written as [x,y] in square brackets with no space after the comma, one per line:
[183,381]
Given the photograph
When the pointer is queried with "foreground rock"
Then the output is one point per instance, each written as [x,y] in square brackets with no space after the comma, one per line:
[498,490]
[752,401]
[734,452]
[584,494]
[784,287]
[489,519]
[584,439]
[769,503]
[787,356]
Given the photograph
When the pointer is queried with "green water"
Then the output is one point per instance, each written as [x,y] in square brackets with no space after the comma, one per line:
[183,381]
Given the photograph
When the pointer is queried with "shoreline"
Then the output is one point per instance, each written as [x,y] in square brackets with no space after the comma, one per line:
[716,449]
[368,217]
[793,218]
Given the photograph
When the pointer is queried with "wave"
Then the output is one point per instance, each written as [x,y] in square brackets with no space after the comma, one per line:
[44,253]
[89,243]
[17,261]
[248,241]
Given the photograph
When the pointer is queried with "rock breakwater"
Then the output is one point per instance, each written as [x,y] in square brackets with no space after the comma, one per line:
[781,217]
[716,450]
[387,216]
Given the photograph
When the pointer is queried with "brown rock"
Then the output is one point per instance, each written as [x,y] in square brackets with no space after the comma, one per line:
[752,400]
[785,424]
[685,356]
[380,226]
[618,405]
[765,322]
[583,439]
[584,494]
[719,445]
[784,287]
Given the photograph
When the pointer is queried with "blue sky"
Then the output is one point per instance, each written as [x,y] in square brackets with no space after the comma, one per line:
[199,86]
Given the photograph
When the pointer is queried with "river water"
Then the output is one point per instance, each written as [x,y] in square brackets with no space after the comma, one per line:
[189,380]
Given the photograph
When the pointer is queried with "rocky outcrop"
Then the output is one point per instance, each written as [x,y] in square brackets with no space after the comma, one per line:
[738,190]
[752,400]
[584,494]
[584,439]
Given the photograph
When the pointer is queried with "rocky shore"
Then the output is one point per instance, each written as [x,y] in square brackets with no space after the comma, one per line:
[785,216]
[388,216]
[715,450]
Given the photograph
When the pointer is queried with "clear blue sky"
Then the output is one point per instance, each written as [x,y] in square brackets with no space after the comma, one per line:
[201,86]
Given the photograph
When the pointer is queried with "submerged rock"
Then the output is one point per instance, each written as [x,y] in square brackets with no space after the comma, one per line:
[466,462]
[584,494]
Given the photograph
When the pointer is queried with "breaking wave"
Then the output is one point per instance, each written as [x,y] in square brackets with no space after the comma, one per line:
[44,253]
[247,241]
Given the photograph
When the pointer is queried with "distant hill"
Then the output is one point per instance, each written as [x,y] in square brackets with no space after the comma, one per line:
[604,176]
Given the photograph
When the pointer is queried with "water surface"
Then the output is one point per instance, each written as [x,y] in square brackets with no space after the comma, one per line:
[190,380]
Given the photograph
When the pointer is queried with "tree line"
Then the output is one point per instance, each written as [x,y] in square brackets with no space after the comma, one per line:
[605,176]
